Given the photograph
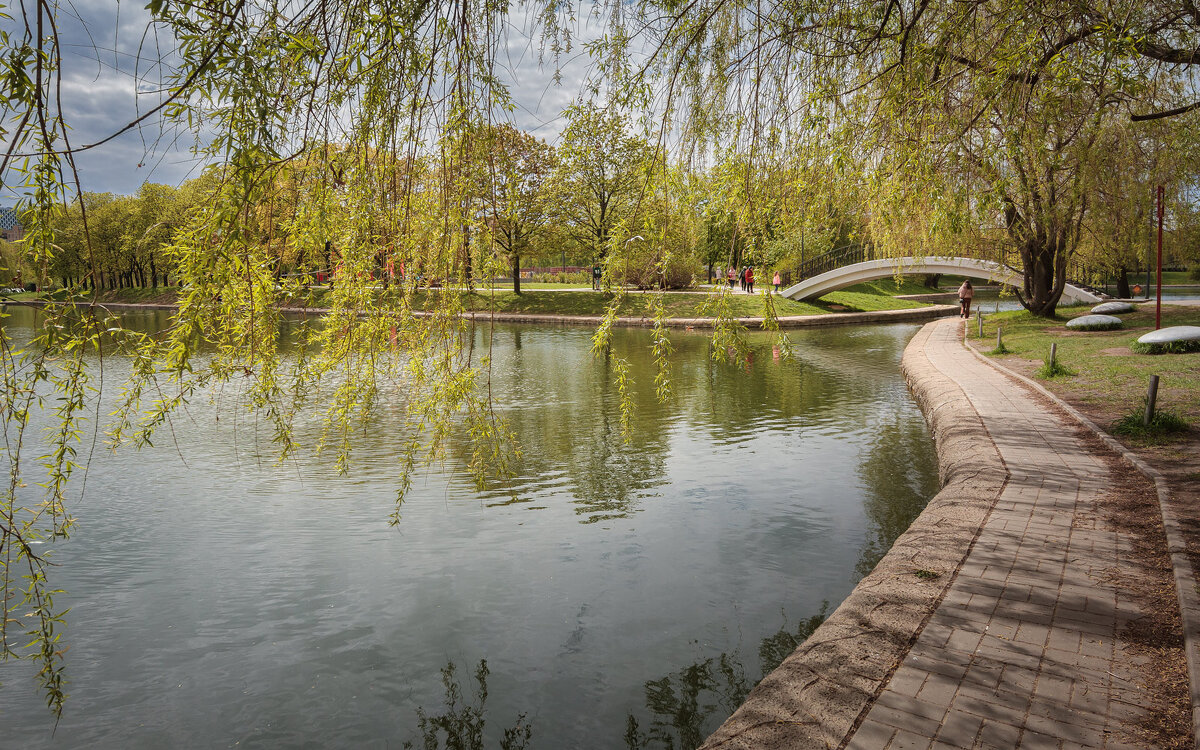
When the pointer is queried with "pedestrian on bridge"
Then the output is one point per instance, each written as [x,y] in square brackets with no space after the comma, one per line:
[965,293]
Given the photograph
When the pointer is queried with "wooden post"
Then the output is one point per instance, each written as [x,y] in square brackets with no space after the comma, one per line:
[1151,397]
[999,341]
[979,317]
[1053,354]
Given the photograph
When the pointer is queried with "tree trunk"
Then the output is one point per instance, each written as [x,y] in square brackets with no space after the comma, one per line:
[153,273]
[932,280]
[1123,283]
[466,261]
[516,272]
[1045,275]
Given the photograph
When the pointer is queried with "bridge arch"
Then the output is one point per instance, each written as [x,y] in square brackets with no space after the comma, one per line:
[872,270]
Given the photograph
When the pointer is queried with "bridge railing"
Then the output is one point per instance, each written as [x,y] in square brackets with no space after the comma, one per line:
[835,258]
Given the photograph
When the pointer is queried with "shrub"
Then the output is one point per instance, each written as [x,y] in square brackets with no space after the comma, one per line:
[1161,424]
[1056,369]
[1169,347]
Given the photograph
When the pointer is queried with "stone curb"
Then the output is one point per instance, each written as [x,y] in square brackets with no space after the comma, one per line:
[788,321]
[1186,587]
[817,696]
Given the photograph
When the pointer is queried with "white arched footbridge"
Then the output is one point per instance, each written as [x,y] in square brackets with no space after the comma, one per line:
[872,270]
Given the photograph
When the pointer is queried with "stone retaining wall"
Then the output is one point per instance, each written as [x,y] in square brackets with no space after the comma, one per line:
[817,695]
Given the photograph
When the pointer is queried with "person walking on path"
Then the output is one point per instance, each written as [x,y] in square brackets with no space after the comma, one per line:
[965,293]
[749,280]
[775,281]
[729,275]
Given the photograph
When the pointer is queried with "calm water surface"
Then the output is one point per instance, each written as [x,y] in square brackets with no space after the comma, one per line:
[625,593]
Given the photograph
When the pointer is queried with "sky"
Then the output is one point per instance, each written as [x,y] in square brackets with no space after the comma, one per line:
[109,79]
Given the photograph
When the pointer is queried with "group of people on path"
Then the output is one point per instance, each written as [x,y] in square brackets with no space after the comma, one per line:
[745,279]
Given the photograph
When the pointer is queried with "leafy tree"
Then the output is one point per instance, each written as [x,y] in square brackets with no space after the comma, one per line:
[518,202]
[956,124]
[600,176]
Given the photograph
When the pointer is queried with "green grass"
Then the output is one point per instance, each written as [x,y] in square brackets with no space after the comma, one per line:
[866,302]
[1169,347]
[545,301]
[1111,377]
[1162,425]
[1055,369]
[888,287]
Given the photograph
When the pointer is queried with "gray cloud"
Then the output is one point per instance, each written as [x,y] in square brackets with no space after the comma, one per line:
[114,69]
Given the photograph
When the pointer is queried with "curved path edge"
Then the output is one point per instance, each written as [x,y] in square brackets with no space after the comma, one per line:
[817,697]
[1187,588]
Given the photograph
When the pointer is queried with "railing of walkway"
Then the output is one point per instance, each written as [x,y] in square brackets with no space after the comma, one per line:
[835,258]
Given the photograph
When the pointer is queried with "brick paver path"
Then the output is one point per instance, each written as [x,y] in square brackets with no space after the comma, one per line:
[1022,651]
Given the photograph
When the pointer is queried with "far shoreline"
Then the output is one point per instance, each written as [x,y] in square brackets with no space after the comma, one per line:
[921,314]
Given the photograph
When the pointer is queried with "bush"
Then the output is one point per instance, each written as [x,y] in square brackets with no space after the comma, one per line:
[1056,369]
[1194,272]
[583,278]
[1169,347]
[680,273]
[1161,424]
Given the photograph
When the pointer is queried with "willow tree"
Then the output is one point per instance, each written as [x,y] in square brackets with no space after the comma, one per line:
[366,109]
[335,130]
[957,123]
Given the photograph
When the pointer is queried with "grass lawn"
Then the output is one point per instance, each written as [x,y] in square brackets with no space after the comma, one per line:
[546,301]
[906,285]
[1110,379]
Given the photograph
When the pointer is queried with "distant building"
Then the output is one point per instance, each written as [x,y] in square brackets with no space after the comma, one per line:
[10,225]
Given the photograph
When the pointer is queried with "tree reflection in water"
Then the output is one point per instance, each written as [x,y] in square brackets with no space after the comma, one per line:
[688,705]
[898,478]
[461,726]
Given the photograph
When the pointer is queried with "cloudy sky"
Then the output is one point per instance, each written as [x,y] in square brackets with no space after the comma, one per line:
[110,78]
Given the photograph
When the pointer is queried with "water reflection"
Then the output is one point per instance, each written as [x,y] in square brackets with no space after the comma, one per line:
[461,725]
[898,475]
[686,706]
[281,601]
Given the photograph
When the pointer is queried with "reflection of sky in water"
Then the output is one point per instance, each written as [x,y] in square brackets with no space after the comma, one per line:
[224,601]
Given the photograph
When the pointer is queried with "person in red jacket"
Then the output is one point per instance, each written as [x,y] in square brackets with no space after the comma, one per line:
[749,280]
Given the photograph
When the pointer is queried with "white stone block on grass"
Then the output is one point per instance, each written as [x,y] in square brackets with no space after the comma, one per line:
[1112,308]
[1170,335]
[1095,322]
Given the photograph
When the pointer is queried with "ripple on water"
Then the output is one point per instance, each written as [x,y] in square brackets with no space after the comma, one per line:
[225,601]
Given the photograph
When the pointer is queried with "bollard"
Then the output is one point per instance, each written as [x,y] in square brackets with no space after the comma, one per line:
[1151,397]
[979,317]
[999,340]
[1053,355]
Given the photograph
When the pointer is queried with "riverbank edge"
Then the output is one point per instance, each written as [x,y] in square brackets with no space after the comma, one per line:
[1187,591]
[819,694]
[788,321]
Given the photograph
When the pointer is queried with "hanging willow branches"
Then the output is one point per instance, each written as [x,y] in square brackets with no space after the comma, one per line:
[344,136]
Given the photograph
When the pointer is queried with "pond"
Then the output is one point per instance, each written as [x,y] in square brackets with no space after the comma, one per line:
[627,591]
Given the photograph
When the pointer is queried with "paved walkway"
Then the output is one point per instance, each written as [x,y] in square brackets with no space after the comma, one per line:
[1015,643]
[1022,651]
